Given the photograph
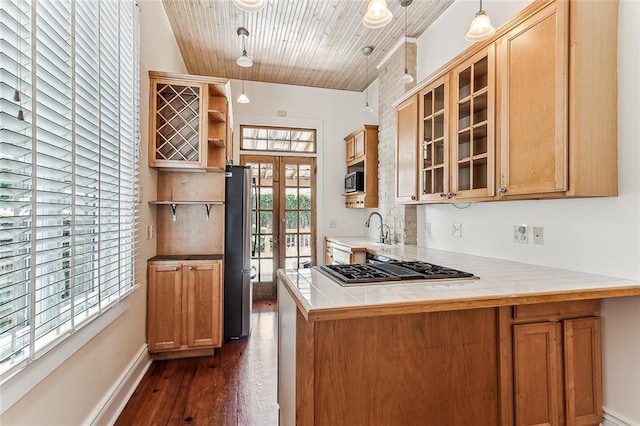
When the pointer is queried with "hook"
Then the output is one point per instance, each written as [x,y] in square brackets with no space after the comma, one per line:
[208,207]
[173,212]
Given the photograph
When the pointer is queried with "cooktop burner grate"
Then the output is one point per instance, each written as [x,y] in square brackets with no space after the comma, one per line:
[392,271]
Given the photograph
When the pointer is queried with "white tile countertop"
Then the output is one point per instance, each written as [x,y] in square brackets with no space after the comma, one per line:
[500,283]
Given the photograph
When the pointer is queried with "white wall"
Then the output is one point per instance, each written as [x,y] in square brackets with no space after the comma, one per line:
[600,236]
[77,390]
[335,114]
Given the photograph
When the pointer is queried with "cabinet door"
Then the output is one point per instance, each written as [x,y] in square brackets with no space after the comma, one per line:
[433,137]
[351,149]
[472,139]
[164,306]
[359,145]
[407,151]
[532,70]
[203,310]
[177,119]
[583,371]
[537,372]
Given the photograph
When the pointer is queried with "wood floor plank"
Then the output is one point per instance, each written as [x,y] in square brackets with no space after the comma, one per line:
[236,386]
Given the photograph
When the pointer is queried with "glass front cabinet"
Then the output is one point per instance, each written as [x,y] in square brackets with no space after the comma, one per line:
[473,140]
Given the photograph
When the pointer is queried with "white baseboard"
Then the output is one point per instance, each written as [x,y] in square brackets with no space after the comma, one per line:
[107,412]
[611,418]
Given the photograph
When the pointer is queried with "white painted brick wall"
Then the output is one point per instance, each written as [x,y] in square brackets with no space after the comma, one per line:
[400,218]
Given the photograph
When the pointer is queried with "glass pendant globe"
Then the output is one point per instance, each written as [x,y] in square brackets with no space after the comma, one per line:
[378,15]
[249,5]
[480,28]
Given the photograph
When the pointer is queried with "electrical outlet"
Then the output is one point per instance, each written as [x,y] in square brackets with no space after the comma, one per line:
[427,228]
[538,235]
[333,223]
[521,234]
[456,230]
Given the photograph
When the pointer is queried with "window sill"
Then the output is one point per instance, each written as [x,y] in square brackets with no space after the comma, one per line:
[14,387]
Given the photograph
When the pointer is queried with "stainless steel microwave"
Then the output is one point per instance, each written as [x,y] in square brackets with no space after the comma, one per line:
[354,182]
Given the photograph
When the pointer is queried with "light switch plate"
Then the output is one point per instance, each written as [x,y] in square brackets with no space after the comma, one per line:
[456,230]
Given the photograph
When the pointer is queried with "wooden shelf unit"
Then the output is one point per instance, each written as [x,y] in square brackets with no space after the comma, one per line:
[184,315]
[189,122]
[362,156]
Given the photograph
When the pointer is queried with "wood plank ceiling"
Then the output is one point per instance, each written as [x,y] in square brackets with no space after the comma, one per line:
[314,43]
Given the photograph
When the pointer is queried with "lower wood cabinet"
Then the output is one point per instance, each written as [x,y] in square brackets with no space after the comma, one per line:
[533,364]
[338,254]
[184,308]
[557,377]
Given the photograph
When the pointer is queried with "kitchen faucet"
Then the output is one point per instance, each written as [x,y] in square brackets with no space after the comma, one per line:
[384,238]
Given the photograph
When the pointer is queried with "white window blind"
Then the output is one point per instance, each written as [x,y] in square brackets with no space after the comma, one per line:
[69,121]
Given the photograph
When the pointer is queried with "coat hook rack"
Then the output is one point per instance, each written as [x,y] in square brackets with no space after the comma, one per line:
[208,207]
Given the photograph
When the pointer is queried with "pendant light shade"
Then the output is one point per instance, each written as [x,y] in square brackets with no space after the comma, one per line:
[378,15]
[243,98]
[249,5]
[406,77]
[244,60]
[366,51]
[480,28]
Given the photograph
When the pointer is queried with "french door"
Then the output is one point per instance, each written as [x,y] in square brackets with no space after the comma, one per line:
[283,217]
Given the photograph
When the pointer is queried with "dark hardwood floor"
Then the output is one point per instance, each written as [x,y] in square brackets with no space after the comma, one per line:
[235,386]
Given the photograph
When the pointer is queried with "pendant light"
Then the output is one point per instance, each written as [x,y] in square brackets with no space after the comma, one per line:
[244,60]
[249,5]
[243,98]
[378,15]
[480,28]
[406,77]
[366,51]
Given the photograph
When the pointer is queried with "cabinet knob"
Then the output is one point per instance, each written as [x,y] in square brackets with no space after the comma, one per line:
[177,268]
[413,198]
[502,190]
[191,268]
[443,195]
[451,195]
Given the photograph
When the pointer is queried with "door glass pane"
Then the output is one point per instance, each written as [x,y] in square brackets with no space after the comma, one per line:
[262,224]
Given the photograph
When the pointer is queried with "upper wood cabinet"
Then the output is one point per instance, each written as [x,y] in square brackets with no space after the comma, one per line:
[532,69]
[532,111]
[473,121]
[189,123]
[407,151]
[356,147]
[433,138]
[362,156]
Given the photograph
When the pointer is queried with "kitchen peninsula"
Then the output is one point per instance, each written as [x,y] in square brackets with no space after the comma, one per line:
[521,345]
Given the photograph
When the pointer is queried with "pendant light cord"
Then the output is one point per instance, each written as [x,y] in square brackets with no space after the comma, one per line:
[406,11]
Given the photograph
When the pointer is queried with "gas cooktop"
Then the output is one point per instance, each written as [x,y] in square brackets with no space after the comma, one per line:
[375,273]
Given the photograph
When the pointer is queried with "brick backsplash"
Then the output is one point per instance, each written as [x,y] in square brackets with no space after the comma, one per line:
[400,218]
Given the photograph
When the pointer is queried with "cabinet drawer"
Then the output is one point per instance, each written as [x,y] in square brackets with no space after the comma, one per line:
[556,310]
[341,257]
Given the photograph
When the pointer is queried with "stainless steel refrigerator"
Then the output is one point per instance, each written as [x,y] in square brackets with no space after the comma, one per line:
[237,253]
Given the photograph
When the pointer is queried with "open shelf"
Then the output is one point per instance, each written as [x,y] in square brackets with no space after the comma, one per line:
[215,115]
[198,202]
[220,143]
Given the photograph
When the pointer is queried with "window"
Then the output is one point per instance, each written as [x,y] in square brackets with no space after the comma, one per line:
[282,139]
[68,167]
